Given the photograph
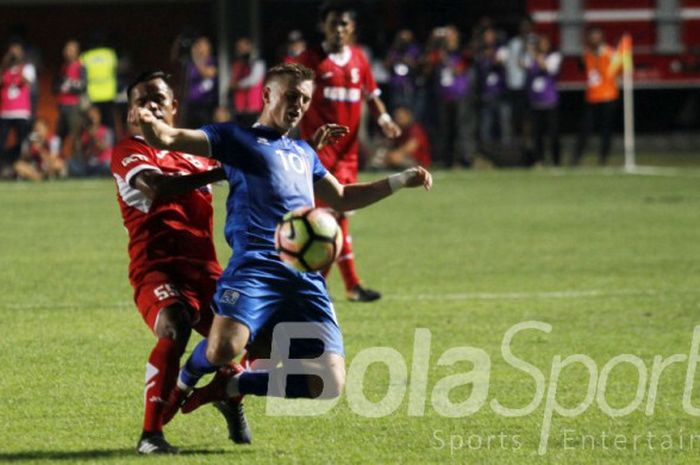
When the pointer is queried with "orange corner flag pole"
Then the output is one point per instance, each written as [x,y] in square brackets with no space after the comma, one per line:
[624,53]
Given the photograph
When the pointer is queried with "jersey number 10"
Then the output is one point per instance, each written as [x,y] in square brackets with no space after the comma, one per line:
[291,161]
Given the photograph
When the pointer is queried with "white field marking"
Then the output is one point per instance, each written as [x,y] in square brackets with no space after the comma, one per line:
[536,295]
[662,171]
[540,295]
[672,172]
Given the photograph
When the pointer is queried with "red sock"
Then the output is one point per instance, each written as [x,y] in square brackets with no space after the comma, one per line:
[346,260]
[161,375]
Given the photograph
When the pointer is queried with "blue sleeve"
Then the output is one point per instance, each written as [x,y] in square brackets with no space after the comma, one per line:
[318,171]
[224,142]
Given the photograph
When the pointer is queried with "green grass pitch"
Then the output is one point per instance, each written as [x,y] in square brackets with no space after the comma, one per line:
[610,261]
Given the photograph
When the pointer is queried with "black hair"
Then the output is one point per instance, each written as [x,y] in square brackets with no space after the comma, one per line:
[147,76]
[338,7]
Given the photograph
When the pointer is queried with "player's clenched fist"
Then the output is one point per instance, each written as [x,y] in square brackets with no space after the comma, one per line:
[412,177]
[138,116]
[390,128]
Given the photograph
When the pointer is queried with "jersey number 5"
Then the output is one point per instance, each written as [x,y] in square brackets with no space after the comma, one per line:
[164,291]
[291,161]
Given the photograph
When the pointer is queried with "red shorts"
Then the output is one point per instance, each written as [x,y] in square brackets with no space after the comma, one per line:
[342,166]
[158,289]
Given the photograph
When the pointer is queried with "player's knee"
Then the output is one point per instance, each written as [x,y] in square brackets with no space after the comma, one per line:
[220,352]
[226,341]
[174,322]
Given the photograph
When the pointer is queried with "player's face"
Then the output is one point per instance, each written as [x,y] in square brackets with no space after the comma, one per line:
[287,100]
[595,38]
[155,95]
[338,29]
[71,50]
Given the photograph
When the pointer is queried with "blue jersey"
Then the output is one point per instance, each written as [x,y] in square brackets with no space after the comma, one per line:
[269,175]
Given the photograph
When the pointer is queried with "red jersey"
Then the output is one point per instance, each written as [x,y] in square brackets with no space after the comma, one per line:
[72,83]
[342,80]
[173,232]
[422,152]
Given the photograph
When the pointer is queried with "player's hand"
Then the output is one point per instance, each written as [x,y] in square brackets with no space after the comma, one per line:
[141,116]
[390,129]
[328,134]
[419,176]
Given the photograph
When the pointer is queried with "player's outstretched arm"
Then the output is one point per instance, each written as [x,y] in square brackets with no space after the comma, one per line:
[359,195]
[156,185]
[162,136]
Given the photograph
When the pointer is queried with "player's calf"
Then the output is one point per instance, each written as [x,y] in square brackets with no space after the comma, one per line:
[327,377]
[173,330]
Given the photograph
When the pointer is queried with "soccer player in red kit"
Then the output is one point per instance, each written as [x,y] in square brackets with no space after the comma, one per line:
[165,201]
[343,79]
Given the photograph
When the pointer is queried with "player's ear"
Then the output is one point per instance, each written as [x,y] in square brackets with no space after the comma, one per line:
[176,105]
[266,94]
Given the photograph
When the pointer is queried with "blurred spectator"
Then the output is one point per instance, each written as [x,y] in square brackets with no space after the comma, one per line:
[518,48]
[201,87]
[69,86]
[222,115]
[295,46]
[401,62]
[410,149]
[247,75]
[602,93]
[542,66]
[40,156]
[32,54]
[100,64]
[96,144]
[452,80]
[495,111]
[121,102]
[15,99]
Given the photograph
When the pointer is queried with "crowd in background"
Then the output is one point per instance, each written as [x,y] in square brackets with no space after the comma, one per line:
[456,99]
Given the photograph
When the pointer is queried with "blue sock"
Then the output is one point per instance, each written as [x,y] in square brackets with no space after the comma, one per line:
[196,366]
[256,383]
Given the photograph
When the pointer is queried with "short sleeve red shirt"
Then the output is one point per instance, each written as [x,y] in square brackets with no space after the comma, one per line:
[342,81]
[176,231]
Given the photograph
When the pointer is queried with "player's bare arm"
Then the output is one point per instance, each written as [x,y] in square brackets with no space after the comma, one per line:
[359,195]
[160,135]
[384,120]
[156,185]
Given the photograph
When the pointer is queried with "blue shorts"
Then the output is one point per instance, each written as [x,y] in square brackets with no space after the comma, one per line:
[262,293]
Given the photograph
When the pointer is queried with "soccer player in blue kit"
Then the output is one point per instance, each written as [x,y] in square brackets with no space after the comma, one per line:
[269,175]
